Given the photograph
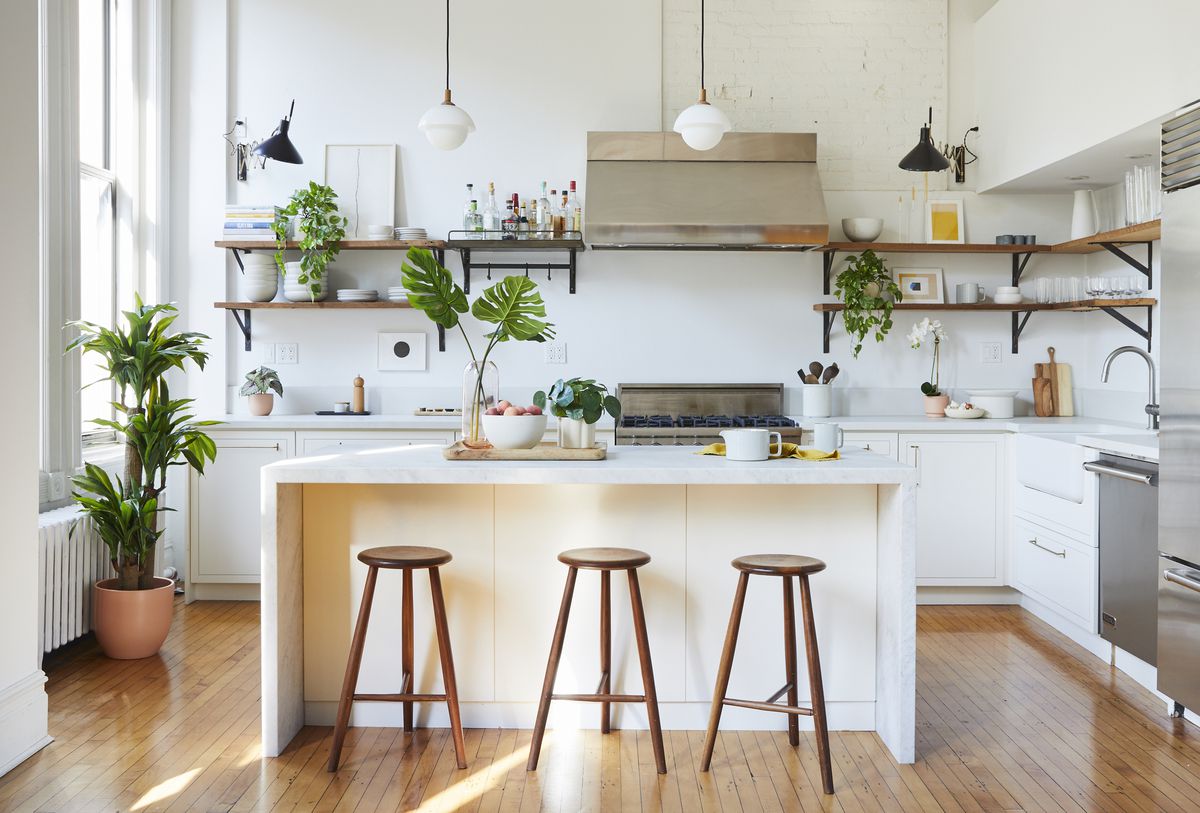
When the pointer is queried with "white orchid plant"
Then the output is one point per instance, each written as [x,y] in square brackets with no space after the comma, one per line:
[922,332]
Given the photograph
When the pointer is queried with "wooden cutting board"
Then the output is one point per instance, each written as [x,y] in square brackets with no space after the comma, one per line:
[1043,397]
[1060,378]
[544,451]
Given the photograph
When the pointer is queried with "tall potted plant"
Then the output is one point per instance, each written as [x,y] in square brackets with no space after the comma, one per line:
[865,286]
[514,305]
[319,230]
[132,612]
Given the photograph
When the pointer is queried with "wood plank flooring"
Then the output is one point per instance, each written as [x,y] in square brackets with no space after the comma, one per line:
[1010,716]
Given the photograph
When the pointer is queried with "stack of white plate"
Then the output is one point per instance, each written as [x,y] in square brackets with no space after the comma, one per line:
[357,295]
[411,233]
[397,293]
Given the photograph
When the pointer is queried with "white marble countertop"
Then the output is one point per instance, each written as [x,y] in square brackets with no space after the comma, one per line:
[1143,446]
[625,465]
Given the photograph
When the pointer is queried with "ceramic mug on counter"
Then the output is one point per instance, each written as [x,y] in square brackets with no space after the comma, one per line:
[828,437]
[751,444]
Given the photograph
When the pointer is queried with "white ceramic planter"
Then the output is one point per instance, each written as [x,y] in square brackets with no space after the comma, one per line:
[818,400]
[293,291]
[1083,215]
[575,433]
[259,281]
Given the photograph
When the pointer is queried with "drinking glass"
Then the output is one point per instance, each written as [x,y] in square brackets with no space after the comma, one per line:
[1116,287]
[1045,290]
[1136,287]
[1076,289]
[1095,287]
[1061,289]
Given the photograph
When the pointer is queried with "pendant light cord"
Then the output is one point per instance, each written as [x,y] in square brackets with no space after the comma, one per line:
[447,44]
[701,44]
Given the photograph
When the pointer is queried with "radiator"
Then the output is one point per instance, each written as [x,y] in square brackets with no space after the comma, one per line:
[69,563]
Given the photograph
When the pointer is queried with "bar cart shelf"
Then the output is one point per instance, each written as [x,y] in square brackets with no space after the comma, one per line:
[466,243]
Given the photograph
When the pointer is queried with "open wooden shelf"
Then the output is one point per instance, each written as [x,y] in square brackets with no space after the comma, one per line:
[1081,305]
[936,248]
[344,245]
[1146,232]
[333,305]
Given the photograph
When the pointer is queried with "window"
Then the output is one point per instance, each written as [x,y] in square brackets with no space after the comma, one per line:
[98,281]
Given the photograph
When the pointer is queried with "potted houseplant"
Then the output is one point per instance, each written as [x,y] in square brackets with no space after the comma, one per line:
[132,612]
[868,291]
[924,331]
[514,305]
[578,403]
[260,388]
[319,230]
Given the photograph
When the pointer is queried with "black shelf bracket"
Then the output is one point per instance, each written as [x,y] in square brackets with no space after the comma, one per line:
[1019,261]
[237,257]
[1146,332]
[468,265]
[1019,320]
[441,339]
[242,317]
[1147,269]
[827,320]
[827,260]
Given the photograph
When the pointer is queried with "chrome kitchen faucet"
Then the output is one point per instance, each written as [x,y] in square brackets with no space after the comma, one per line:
[1151,405]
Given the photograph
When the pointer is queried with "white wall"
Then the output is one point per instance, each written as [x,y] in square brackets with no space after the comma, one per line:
[1054,79]
[23,714]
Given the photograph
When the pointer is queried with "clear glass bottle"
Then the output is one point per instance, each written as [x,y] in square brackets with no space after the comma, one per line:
[467,211]
[544,223]
[533,219]
[563,220]
[481,390]
[523,223]
[574,212]
[491,214]
[476,222]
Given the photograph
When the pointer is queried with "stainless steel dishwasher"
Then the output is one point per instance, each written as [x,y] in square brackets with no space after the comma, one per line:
[1129,564]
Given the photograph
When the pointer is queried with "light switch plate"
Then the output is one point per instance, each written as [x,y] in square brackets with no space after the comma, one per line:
[402,352]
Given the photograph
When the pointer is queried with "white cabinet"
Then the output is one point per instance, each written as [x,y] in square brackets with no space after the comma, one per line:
[224,507]
[960,507]
[1057,570]
[320,442]
[883,443]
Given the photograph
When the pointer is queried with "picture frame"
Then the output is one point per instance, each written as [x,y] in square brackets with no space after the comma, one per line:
[921,285]
[402,352]
[364,178]
[944,221]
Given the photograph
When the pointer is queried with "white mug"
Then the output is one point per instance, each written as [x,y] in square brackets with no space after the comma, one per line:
[828,437]
[751,444]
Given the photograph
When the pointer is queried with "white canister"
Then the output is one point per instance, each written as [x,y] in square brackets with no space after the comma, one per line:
[751,444]
[818,400]
[576,433]
[997,403]
[1083,214]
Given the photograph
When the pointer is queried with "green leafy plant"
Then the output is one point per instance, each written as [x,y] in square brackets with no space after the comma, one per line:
[158,432]
[514,305]
[867,290]
[579,398]
[921,332]
[261,382]
[321,228]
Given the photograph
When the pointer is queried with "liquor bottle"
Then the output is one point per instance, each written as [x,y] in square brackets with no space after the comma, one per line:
[476,224]
[555,223]
[533,219]
[509,225]
[491,215]
[575,212]
[523,223]
[564,217]
[544,224]
[467,211]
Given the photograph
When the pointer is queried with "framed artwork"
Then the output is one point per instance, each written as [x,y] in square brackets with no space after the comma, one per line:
[919,285]
[401,352]
[364,178]
[944,221]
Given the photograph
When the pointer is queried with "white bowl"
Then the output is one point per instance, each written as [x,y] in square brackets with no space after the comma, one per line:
[962,412]
[997,403]
[1008,299]
[862,229]
[514,431]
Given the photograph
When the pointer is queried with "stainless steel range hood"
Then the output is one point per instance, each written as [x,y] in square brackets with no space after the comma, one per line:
[752,191]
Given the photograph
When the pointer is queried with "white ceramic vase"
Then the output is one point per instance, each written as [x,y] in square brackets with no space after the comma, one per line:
[1083,215]
[576,433]
[293,291]
[818,400]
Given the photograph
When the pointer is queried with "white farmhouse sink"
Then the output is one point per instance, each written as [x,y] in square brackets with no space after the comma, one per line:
[1052,464]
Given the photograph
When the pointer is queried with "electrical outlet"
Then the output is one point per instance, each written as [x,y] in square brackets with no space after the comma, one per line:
[268,353]
[991,352]
[58,485]
[287,353]
[555,352]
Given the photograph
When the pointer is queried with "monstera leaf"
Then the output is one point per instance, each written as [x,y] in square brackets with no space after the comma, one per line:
[514,305]
[431,288]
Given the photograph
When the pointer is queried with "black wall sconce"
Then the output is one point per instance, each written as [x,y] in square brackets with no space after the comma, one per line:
[277,146]
[958,157]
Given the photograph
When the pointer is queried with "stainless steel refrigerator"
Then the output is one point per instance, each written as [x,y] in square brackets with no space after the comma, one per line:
[1179,439]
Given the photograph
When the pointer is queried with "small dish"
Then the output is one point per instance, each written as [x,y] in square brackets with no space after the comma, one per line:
[961,411]
[862,229]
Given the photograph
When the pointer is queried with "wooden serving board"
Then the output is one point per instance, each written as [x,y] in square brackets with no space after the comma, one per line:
[546,451]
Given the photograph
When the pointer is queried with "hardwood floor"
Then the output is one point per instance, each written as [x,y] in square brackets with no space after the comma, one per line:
[1010,716]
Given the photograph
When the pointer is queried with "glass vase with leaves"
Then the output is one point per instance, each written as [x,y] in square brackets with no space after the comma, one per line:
[514,305]
[867,290]
[320,230]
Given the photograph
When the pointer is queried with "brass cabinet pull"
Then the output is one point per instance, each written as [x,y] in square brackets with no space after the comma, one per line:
[1062,554]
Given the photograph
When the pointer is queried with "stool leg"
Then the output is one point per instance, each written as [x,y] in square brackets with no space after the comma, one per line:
[789,654]
[605,647]
[731,635]
[350,682]
[447,659]
[643,645]
[560,632]
[814,681]
[406,635]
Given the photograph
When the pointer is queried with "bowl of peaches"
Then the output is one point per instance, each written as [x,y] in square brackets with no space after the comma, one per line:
[514,427]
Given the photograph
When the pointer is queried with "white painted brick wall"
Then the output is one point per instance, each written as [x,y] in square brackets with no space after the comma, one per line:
[860,73]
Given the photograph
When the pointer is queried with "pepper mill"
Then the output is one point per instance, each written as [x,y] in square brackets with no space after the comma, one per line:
[358,400]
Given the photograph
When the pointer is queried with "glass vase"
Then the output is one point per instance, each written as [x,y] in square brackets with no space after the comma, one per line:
[481,390]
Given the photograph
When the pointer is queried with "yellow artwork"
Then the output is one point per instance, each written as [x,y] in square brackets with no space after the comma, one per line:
[945,222]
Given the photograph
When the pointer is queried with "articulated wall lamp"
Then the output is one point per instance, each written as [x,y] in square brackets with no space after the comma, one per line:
[925,156]
[249,153]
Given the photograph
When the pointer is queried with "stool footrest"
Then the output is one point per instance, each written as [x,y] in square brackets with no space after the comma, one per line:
[786,688]
[404,697]
[601,698]
[760,706]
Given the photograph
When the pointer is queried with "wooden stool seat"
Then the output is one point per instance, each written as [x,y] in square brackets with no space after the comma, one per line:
[778,564]
[404,557]
[604,558]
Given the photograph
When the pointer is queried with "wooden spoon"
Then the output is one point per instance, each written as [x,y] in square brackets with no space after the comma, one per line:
[830,373]
[811,379]
[815,368]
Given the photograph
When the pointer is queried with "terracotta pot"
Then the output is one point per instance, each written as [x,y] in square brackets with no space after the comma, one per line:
[261,403]
[935,405]
[132,624]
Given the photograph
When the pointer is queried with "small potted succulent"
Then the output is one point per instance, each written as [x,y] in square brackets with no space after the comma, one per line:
[869,293]
[578,403]
[260,388]
[319,231]
[924,331]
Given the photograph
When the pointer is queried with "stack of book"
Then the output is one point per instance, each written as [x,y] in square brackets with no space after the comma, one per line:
[249,222]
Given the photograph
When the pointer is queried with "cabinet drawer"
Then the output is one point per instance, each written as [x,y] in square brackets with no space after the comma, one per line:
[1056,570]
[883,444]
[337,442]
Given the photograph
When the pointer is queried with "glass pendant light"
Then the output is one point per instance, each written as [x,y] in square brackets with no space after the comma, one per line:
[702,125]
[446,125]
[925,157]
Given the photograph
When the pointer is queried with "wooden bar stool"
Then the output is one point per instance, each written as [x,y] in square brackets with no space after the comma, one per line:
[605,560]
[785,566]
[407,559]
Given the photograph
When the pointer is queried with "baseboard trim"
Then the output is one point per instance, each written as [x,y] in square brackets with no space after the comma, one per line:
[968,595]
[24,720]
[202,591]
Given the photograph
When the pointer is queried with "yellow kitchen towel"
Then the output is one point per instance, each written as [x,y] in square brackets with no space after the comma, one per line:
[790,450]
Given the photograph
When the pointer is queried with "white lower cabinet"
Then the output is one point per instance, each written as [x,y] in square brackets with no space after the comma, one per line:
[961,508]
[339,442]
[1057,570]
[878,442]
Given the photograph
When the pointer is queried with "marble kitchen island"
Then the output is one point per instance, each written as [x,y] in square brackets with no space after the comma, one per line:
[505,522]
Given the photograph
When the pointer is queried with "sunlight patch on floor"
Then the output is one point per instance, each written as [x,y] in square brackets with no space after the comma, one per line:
[472,786]
[165,790]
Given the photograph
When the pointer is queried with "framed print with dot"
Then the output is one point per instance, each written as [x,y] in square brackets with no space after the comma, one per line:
[402,352]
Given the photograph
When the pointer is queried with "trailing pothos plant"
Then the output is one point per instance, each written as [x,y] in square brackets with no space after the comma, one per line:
[868,291]
[320,227]
[158,432]
[514,305]
[583,399]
